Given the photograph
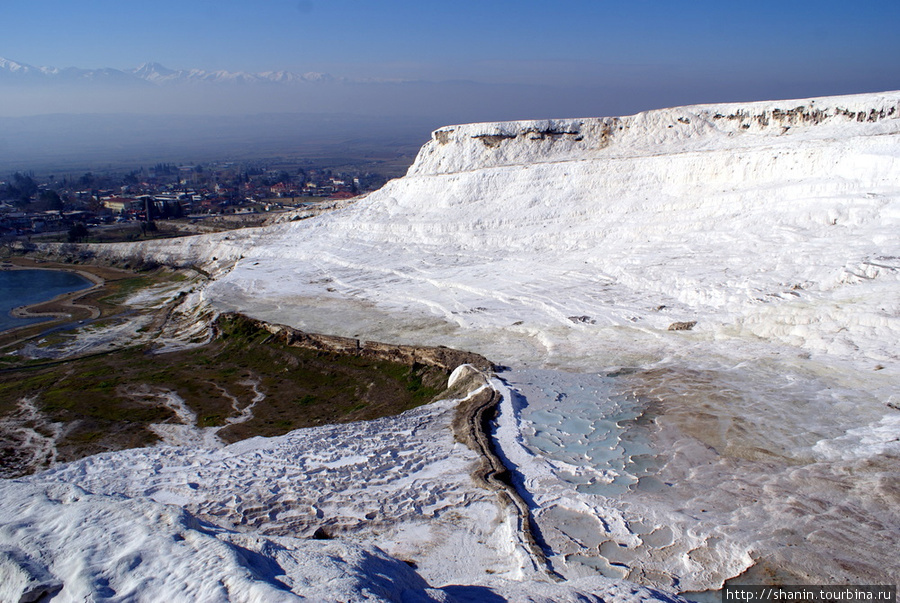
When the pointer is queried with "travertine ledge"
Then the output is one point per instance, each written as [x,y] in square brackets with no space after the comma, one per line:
[441,357]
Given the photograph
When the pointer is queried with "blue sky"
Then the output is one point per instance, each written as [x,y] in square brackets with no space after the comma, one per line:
[599,56]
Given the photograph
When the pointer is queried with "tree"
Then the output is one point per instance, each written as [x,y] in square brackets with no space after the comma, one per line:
[21,189]
[149,208]
[148,227]
[78,232]
[51,200]
[87,180]
[174,210]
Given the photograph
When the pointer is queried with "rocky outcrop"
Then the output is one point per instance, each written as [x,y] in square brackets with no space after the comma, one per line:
[462,148]
[440,357]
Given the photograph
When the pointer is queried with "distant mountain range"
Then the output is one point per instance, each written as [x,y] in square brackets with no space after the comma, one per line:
[153,73]
[154,89]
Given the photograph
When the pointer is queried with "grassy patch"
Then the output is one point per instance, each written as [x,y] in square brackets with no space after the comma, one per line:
[107,401]
[122,289]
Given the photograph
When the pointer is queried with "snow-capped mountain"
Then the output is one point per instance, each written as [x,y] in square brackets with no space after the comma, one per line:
[154,73]
[158,74]
[8,67]
[700,307]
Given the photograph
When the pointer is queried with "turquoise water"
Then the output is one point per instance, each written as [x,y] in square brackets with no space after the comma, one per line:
[24,287]
[582,421]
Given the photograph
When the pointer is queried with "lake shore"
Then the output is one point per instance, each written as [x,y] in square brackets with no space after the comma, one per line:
[77,305]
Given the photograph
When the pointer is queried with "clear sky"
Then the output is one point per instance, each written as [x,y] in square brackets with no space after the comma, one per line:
[594,56]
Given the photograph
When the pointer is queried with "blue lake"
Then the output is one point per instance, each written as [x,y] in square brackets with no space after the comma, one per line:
[24,287]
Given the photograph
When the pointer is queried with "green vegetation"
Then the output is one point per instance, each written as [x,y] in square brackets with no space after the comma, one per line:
[126,287]
[107,401]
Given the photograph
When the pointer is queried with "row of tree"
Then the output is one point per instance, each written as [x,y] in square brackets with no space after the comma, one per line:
[162,209]
[21,189]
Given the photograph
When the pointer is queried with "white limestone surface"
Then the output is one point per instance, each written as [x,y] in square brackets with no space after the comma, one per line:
[570,246]
[373,511]
[575,244]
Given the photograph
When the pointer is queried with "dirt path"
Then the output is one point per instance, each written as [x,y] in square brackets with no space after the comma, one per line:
[63,306]
[76,305]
